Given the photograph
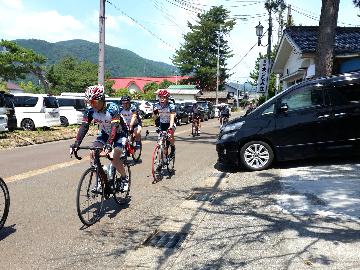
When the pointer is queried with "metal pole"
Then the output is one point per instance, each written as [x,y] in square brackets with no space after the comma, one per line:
[237,90]
[269,54]
[218,68]
[101,71]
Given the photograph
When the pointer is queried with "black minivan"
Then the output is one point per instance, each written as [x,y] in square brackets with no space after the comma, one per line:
[8,102]
[315,118]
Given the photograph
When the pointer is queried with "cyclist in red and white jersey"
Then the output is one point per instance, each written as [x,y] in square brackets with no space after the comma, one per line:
[164,111]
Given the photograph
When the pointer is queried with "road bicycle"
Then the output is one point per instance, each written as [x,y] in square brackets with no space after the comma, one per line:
[160,157]
[195,127]
[95,185]
[223,120]
[4,202]
[131,148]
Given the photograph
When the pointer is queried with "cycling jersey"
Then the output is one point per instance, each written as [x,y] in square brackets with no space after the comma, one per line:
[127,114]
[110,122]
[164,112]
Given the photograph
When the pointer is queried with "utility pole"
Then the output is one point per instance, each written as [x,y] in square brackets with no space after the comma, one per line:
[269,53]
[237,94]
[218,68]
[101,71]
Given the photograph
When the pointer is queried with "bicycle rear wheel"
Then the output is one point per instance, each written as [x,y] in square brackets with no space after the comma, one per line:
[4,202]
[137,152]
[156,163]
[88,203]
[120,196]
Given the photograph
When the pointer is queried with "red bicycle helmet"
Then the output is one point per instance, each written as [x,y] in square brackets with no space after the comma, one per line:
[164,93]
[95,92]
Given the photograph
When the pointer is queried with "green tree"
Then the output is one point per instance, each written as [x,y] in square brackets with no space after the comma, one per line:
[72,75]
[121,92]
[30,87]
[198,55]
[153,86]
[16,62]
[165,84]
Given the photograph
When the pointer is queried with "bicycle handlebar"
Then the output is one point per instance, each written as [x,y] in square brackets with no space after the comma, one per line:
[94,148]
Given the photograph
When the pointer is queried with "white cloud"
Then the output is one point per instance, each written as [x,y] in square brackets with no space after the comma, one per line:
[13,4]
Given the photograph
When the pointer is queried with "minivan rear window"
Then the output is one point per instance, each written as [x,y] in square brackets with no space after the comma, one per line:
[51,102]
[25,101]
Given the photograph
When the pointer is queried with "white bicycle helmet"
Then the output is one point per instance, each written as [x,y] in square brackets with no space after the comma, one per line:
[95,92]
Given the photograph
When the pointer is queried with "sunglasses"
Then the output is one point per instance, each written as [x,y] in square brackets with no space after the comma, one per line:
[93,102]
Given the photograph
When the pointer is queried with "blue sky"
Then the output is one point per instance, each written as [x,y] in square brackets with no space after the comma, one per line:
[152,29]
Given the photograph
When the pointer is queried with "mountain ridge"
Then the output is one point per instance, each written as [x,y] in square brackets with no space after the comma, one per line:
[119,62]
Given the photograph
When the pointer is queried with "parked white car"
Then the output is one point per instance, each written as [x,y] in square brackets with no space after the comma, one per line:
[71,109]
[145,108]
[3,120]
[36,110]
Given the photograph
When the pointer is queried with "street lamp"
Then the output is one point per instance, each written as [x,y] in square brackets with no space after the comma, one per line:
[259,32]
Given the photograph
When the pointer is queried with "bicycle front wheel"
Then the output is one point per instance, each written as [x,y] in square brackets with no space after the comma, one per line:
[156,163]
[171,164]
[4,202]
[120,196]
[89,203]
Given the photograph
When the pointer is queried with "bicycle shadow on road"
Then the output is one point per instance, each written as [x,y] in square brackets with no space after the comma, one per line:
[6,231]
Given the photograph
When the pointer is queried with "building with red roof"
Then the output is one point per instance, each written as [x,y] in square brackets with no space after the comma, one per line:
[136,84]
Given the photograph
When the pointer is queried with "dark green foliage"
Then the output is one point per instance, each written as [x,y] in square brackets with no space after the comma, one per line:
[17,61]
[118,62]
[198,54]
[71,75]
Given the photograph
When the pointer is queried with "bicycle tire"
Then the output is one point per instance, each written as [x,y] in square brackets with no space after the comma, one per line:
[90,213]
[170,165]
[5,205]
[156,163]
[137,153]
[121,197]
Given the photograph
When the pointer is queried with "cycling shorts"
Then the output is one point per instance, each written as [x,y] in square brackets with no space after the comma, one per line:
[120,139]
[165,126]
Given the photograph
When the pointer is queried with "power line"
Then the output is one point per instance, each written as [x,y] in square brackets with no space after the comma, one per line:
[247,53]
[167,15]
[142,26]
[314,16]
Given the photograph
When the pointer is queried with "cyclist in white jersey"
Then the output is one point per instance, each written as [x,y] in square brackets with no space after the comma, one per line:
[113,128]
[165,112]
[132,118]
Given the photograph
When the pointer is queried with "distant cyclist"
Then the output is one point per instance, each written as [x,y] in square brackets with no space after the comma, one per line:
[113,129]
[224,114]
[165,113]
[132,118]
[196,116]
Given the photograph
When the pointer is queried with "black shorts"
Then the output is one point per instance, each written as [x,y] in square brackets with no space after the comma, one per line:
[165,126]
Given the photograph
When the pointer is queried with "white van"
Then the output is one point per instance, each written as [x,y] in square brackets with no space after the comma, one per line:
[71,109]
[36,110]
[3,120]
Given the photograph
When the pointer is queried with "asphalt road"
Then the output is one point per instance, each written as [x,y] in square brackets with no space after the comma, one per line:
[43,230]
[296,215]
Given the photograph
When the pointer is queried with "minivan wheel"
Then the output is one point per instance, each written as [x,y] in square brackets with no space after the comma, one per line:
[256,155]
[64,121]
[28,124]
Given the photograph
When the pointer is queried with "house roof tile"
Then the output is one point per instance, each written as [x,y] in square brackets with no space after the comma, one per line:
[305,37]
[140,82]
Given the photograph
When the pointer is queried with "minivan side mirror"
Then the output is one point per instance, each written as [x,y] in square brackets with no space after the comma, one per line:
[283,108]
